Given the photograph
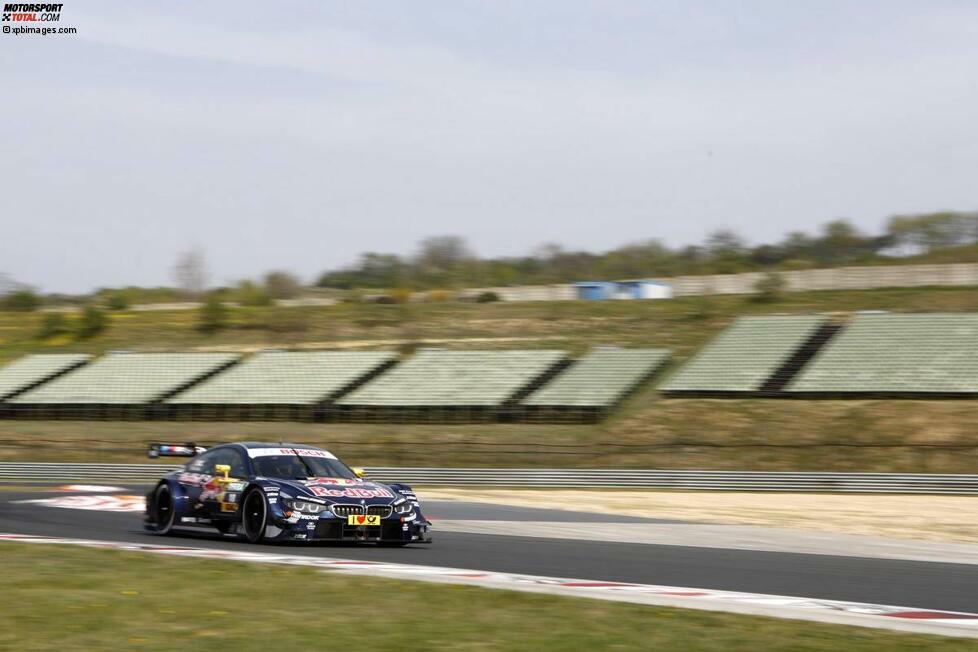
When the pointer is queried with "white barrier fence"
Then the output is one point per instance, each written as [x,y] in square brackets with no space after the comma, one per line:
[806,280]
[907,483]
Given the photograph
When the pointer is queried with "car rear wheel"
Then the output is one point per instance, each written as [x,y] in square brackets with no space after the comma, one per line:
[165,512]
[254,515]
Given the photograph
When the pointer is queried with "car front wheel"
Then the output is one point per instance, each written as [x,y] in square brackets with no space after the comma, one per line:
[254,515]
[164,512]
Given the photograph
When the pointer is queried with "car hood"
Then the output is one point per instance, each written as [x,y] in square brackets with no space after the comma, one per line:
[340,490]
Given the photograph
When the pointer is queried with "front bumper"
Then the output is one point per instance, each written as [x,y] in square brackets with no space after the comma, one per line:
[329,528]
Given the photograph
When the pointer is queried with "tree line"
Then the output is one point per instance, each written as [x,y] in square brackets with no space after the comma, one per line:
[449,262]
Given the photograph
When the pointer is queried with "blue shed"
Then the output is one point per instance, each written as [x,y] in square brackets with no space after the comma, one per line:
[595,290]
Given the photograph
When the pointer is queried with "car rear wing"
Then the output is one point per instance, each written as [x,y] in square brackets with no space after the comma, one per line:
[166,449]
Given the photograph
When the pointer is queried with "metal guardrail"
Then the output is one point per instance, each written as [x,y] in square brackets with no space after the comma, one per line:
[907,483]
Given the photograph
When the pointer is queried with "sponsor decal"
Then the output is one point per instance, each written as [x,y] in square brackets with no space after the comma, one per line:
[352,492]
[194,479]
[363,519]
[173,450]
[313,482]
[229,507]
[213,489]
[304,452]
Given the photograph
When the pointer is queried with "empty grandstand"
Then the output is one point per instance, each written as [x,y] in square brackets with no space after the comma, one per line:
[440,385]
[897,355]
[753,355]
[592,386]
[279,385]
[32,370]
[119,385]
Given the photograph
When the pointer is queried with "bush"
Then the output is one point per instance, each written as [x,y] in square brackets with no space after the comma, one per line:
[401,295]
[21,300]
[117,301]
[487,297]
[53,324]
[252,294]
[212,316]
[92,322]
[439,296]
[282,285]
[770,288]
[702,308]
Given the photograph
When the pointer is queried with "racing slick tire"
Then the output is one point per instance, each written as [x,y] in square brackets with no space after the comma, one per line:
[164,509]
[254,515]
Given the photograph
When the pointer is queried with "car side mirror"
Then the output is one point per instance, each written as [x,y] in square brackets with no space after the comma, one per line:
[223,468]
[358,471]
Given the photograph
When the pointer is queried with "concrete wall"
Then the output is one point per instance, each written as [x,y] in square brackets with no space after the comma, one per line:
[839,278]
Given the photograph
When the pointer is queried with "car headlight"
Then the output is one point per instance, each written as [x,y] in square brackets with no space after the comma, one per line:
[303,506]
[404,508]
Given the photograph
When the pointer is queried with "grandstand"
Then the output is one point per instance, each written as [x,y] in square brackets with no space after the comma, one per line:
[279,385]
[592,386]
[755,355]
[32,370]
[441,385]
[897,355]
[119,385]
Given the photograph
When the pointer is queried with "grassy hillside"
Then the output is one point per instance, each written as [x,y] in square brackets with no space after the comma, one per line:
[678,324]
[769,434]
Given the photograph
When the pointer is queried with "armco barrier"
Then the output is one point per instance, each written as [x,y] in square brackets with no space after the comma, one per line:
[12,472]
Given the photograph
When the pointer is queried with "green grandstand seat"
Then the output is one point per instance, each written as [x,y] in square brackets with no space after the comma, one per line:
[599,379]
[897,353]
[32,370]
[286,378]
[126,379]
[455,378]
[745,355]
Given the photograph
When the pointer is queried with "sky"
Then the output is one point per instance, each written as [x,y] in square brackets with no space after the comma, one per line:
[296,135]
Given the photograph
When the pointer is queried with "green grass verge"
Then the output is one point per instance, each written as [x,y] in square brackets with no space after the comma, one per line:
[63,598]
[762,435]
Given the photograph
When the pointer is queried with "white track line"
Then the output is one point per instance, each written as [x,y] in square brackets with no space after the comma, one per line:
[829,611]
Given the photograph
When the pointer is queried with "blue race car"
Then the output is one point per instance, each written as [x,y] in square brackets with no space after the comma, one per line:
[281,492]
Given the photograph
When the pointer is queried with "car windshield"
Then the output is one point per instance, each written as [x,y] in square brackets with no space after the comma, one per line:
[291,466]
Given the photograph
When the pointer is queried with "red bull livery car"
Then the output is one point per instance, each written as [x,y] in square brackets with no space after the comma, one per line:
[281,492]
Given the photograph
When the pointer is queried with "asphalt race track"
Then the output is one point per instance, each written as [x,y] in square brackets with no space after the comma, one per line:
[918,584]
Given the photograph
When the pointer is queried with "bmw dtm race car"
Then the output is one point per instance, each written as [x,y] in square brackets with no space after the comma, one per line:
[281,492]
